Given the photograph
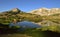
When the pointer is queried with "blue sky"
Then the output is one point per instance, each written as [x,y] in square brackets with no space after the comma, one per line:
[28,5]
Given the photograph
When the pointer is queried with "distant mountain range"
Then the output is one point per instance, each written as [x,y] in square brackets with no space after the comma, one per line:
[45,11]
[40,11]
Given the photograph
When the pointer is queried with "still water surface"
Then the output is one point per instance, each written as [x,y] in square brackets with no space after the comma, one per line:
[26,24]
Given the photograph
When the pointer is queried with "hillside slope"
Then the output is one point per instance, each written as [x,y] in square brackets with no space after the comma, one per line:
[8,16]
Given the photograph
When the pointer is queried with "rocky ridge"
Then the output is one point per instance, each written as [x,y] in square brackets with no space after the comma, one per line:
[45,11]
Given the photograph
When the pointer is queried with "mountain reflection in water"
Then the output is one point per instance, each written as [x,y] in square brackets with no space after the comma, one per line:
[25,24]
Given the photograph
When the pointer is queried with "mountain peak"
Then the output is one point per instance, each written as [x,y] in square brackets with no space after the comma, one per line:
[15,10]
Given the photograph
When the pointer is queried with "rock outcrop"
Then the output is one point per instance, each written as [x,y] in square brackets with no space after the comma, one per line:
[45,11]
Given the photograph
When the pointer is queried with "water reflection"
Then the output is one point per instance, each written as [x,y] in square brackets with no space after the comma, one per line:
[25,24]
